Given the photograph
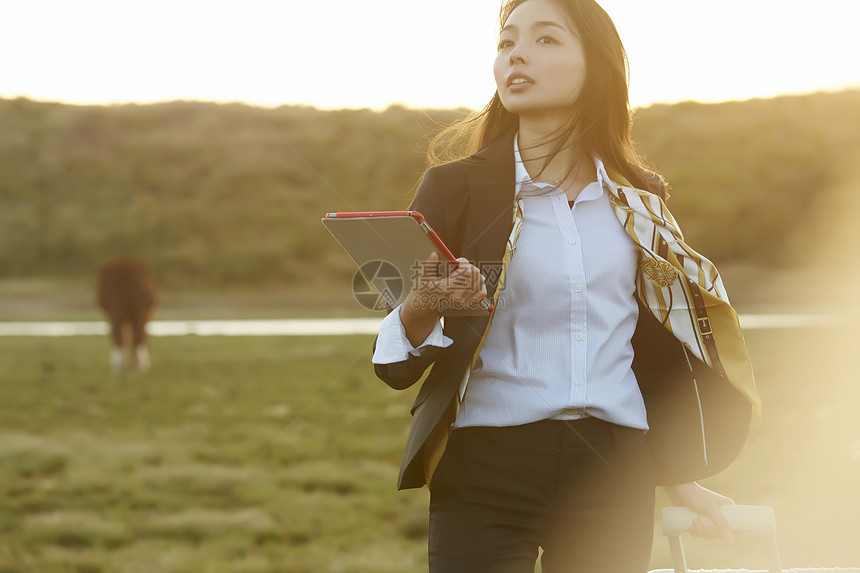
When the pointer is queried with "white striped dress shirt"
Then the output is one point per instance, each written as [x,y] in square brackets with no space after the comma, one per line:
[559,346]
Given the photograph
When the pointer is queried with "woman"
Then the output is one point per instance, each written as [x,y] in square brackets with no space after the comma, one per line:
[530,429]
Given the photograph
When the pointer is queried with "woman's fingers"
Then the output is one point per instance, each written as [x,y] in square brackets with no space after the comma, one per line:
[717,527]
[449,287]
[706,503]
[711,508]
[708,530]
[719,519]
[467,277]
[467,284]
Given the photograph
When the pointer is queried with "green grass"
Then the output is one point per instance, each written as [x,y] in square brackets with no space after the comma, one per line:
[281,454]
[206,463]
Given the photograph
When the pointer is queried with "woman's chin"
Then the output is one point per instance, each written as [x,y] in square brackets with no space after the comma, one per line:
[539,112]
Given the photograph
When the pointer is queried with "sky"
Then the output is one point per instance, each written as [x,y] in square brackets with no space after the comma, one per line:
[373,53]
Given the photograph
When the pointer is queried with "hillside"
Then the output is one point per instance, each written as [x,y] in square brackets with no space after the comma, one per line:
[229,195]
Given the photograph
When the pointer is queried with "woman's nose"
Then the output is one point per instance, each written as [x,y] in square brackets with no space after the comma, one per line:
[517,55]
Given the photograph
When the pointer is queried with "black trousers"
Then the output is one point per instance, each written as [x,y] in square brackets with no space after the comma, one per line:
[581,490]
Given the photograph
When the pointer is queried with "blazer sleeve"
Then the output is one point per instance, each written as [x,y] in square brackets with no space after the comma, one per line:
[430,201]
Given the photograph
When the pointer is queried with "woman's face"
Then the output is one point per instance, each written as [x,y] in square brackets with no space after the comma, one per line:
[540,66]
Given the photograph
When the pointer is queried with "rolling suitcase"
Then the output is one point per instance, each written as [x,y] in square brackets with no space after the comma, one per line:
[742,518]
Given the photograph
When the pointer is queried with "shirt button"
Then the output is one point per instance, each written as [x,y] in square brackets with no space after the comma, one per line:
[578,288]
[579,381]
[572,241]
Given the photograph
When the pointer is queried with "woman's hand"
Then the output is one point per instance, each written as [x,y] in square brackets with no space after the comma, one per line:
[436,289]
[704,502]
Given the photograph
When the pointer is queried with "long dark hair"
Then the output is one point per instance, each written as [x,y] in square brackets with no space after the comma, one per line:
[600,120]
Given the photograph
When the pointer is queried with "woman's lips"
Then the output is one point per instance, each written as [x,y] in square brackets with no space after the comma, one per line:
[518,82]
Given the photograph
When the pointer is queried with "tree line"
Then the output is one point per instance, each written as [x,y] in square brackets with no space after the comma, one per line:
[223,195]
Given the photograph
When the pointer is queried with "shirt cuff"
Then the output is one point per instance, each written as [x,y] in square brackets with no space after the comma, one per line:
[393,346]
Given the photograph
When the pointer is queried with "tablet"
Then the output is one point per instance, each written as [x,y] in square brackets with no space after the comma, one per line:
[389,247]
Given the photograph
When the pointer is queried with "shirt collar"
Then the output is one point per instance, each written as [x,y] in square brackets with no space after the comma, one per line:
[523,177]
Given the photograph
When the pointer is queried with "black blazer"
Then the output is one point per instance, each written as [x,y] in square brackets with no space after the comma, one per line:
[698,421]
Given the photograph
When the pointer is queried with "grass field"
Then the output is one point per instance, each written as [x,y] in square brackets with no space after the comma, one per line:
[281,454]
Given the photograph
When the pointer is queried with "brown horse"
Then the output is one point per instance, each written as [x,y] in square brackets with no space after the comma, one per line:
[126,292]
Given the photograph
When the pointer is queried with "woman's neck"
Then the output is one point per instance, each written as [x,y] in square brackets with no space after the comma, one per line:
[568,169]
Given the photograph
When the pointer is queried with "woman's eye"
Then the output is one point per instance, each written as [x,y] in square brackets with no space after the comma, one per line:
[546,40]
[505,44]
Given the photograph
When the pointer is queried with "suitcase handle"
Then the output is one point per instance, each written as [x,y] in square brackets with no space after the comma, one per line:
[741,518]
[746,518]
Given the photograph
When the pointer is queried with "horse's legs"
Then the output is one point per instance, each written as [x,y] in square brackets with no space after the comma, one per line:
[116,354]
[138,334]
